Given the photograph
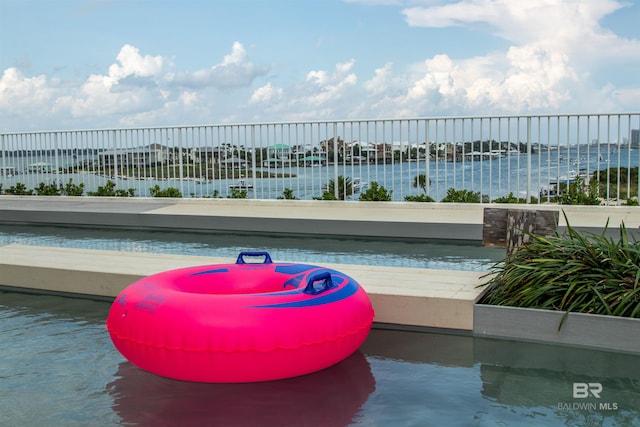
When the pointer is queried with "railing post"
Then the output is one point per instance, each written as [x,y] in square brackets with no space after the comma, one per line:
[528,160]
[336,189]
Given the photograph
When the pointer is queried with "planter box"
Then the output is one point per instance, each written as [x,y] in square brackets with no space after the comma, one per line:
[588,330]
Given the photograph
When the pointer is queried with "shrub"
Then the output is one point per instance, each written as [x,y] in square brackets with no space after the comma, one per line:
[237,194]
[19,190]
[376,193]
[576,194]
[510,199]
[109,190]
[71,189]
[156,191]
[287,194]
[419,198]
[572,272]
[344,186]
[461,196]
[47,189]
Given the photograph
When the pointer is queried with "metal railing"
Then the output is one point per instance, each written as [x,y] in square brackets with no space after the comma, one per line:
[533,158]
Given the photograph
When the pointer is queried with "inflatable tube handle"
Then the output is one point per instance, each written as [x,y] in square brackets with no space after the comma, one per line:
[327,283]
[241,255]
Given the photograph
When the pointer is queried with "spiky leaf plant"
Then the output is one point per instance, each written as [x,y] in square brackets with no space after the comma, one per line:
[572,272]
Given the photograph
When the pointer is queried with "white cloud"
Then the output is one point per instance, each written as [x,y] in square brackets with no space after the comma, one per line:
[380,83]
[134,64]
[553,50]
[19,91]
[265,94]
[554,44]
[235,70]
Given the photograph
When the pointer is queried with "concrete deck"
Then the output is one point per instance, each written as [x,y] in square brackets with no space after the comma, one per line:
[400,296]
[377,219]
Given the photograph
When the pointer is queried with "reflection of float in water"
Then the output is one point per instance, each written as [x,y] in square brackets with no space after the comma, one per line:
[331,397]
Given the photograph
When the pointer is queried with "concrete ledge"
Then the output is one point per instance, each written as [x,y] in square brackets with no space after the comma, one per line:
[400,296]
[462,221]
[586,330]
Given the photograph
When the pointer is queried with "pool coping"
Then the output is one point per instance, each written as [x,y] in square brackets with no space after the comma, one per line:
[411,297]
[620,334]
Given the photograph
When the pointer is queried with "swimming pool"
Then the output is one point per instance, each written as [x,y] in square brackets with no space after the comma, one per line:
[59,368]
[420,253]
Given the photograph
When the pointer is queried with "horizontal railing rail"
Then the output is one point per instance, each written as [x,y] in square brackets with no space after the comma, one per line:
[582,159]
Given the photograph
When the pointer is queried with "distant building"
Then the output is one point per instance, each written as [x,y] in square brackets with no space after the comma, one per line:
[635,138]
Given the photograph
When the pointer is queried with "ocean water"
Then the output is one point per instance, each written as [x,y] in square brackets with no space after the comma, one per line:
[58,367]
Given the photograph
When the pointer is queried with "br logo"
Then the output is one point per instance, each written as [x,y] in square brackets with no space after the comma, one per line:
[584,390]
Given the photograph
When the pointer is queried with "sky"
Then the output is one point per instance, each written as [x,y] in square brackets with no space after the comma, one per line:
[95,64]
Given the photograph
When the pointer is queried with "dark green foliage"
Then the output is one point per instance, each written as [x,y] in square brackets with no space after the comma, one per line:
[47,190]
[419,198]
[287,194]
[611,177]
[19,190]
[421,181]
[576,194]
[172,192]
[461,196]
[71,189]
[237,194]
[343,185]
[109,190]
[376,193]
[572,272]
[509,199]
[326,195]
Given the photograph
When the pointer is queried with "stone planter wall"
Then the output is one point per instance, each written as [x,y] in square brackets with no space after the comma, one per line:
[588,330]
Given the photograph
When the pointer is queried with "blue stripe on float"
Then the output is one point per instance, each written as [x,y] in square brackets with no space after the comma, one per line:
[295,268]
[345,292]
[215,270]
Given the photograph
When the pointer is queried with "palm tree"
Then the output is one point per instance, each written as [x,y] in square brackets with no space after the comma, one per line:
[345,187]
[421,181]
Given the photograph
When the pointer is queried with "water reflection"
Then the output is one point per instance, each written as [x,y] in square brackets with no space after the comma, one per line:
[58,365]
[331,397]
[421,253]
[518,381]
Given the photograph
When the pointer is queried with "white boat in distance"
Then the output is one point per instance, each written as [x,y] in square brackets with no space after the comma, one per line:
[241,185]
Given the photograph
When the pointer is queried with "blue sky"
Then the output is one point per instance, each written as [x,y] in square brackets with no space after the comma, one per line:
[84,64]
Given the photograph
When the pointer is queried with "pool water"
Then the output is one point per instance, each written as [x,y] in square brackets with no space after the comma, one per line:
[419,253]
[58,367]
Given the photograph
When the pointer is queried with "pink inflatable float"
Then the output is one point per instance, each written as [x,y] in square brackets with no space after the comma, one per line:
[242,322]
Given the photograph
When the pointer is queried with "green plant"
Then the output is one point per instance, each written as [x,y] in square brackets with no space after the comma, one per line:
[421,181]
[376,193]
[343,185]
[571,272]
[419,198]
[109,190]
[575,193]
[71,189]
[156,191]
[19,190]
[509,199]
[287,194]
[461,196]
[609,179]
[326,195]
[237,194]
[47,189]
